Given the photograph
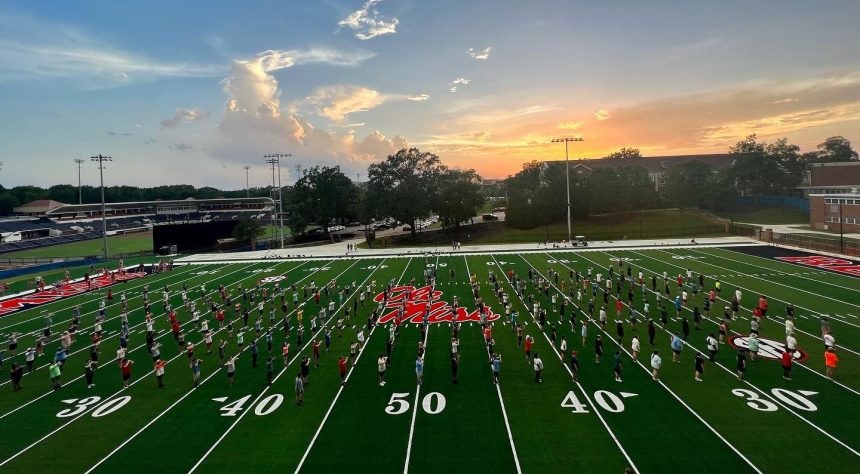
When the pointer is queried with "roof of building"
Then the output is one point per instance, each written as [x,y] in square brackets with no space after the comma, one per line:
[656,164]
[38,206]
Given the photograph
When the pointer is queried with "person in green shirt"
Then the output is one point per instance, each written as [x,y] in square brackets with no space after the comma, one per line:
[54,373]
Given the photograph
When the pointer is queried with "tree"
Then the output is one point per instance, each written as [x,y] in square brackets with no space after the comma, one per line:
[625,154]
[248,230]
[459,197]
[323,195]
[688,184]
[404,185]
[836,149]
[759,168]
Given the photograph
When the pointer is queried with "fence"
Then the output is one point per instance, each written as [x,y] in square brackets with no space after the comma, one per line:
[767,200]
[817,242]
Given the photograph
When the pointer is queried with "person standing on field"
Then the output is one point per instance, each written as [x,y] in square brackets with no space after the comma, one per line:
[656,362]
[538,366]
[786,363]
[830,361]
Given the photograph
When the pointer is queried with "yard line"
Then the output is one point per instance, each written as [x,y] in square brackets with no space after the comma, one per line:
[340,390]
[417,391]
[666,387]
[774,315]
[159,333]
[283,371]
[87,346]
[765,394]
[719,255]
[581,389]
[501,400]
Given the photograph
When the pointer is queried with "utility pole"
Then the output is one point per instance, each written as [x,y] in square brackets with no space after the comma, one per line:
[79,161]
[274,159]
[841,241]
[101,161]
[247,189]
[298,172]
[566,140]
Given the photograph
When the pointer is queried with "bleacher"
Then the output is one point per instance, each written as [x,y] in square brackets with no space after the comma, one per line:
[47,241]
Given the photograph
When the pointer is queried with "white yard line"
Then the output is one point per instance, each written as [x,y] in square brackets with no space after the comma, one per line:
[282,372]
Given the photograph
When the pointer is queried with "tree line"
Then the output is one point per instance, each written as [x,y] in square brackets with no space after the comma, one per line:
[537,195]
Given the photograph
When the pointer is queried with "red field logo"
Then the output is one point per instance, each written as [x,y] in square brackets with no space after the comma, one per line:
[767,348]
[839,265]
[418,300]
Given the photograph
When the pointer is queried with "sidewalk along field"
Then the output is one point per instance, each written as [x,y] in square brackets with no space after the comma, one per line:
[412,310]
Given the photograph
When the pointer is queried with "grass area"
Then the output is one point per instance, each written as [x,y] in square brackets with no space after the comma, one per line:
[595,424]
[769,215]
[117,244]
[642,225]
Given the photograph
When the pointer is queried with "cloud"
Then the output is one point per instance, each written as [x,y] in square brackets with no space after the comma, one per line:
[481,54]
[184,116]
[569,125]
[336,102]
[601,114]
[275,59]
[418,98]
[120,134]
[150,141]
[36,49]
[353,125]
[456,83]
[180,146]
[255,122]
[787,100]
[369,23]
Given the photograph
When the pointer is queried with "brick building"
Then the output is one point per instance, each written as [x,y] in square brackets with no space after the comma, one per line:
[842,177]
[825,211]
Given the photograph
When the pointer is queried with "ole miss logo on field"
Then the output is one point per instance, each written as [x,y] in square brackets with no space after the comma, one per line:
[418,300]
[767,348]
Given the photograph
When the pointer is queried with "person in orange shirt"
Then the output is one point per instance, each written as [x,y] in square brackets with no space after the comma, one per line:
[830,361]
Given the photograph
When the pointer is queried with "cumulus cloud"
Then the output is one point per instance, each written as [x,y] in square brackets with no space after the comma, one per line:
[255,121]
[480,54]
[368,23]
[179,146]
[454,85]
[181,116]
[418,98]
[336,102]
[601,114]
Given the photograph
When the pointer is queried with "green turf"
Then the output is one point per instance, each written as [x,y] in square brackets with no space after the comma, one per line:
[650,425]
[117,244]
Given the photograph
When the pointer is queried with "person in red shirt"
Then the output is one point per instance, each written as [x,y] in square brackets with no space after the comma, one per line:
[762,304]
[786,364]
[219,315]
[341,367]
[618,307]
[174,326]
[125,368]
[680,281]
[317,297]
[830,361]
[528,347]
[488,334]
[172,317]
[316,352]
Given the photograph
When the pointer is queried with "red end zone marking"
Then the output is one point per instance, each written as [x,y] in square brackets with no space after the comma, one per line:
[47,296]
[838,265]
[416,301]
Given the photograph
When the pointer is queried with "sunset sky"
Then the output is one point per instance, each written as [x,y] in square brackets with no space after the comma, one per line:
[189,92]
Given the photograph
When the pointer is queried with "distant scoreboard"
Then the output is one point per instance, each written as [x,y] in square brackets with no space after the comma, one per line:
[192,237]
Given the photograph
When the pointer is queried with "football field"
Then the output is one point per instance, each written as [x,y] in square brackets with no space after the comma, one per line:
[595,423]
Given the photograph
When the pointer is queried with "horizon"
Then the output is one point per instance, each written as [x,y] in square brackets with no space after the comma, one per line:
[179,94]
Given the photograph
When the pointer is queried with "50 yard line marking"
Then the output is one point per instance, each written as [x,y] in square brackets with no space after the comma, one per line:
[418,386]
[340,390]
[282,372]
[501,400]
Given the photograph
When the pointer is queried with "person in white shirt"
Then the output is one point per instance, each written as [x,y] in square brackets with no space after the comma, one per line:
[656,362]
[713,345]
[538,366]
[634,347]
[789,327]
[829,341]
[738,295]
[791,343]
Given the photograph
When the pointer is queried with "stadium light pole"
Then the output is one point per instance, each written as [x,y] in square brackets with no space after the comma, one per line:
[247,189]
[567,140]
[274,159]
[101,161]
[79,161]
